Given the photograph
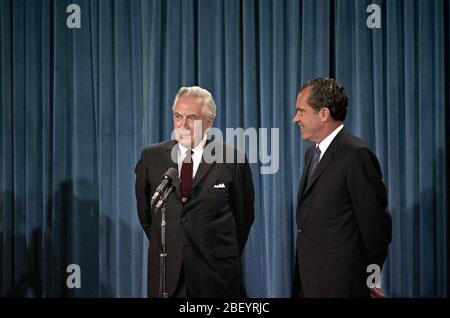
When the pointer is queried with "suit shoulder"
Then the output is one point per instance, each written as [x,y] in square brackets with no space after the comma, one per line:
[228,153]
[236,151]
[357,149]
[353,143]
[238,154]
[156,148]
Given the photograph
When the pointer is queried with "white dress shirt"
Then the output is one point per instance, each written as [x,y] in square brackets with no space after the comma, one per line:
[196,156]
[324,144]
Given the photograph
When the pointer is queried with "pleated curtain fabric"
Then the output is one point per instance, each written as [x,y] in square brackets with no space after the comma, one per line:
[79,105]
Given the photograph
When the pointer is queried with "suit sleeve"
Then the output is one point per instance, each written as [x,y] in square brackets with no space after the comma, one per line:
[142,188]
[369,200]
[244,201]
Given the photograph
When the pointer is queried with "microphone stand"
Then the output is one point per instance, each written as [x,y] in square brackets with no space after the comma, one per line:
[162,205]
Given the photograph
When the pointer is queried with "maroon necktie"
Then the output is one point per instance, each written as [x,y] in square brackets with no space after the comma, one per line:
[186,176]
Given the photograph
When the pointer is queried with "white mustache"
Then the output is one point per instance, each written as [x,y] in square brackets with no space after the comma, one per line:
[184,132]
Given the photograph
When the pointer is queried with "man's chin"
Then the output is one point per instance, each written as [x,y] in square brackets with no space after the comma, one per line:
[305,137]
[185,142]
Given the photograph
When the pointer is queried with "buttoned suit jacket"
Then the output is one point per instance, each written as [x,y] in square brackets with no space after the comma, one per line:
[208,233]
[342,221]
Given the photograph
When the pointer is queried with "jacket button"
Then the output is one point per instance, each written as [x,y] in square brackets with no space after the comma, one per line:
[183,220]
[300,230]
[180,244]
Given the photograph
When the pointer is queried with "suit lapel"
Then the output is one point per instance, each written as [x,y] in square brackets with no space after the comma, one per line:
[324,162]
[173,164]
[304,176]
[203,168]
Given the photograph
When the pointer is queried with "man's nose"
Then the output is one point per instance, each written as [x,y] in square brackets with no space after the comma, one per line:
[184,123]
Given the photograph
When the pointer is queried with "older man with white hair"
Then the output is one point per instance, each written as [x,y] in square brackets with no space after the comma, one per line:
[210,213]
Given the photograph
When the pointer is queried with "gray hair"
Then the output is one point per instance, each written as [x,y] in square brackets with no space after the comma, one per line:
[209,105]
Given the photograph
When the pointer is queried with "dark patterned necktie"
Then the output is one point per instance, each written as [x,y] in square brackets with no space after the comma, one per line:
[314,163]
[186,176]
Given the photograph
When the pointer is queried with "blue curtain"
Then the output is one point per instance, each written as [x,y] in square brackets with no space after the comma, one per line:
[78,106]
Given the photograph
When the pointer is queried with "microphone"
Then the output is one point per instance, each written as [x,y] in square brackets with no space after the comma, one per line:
[170,174]
[168,191]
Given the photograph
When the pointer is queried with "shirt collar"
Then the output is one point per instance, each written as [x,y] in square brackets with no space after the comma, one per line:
[196,149]
[324,144]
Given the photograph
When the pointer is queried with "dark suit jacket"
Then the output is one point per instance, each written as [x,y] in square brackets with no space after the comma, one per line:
[342,221]
[207,234]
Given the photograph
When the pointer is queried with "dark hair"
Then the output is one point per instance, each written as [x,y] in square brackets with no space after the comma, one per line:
[327,92]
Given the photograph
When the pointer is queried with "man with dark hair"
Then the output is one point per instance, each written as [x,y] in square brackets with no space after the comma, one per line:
[342,220]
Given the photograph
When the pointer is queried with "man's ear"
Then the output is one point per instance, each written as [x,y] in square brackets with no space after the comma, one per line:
[210,121]
[325,114]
